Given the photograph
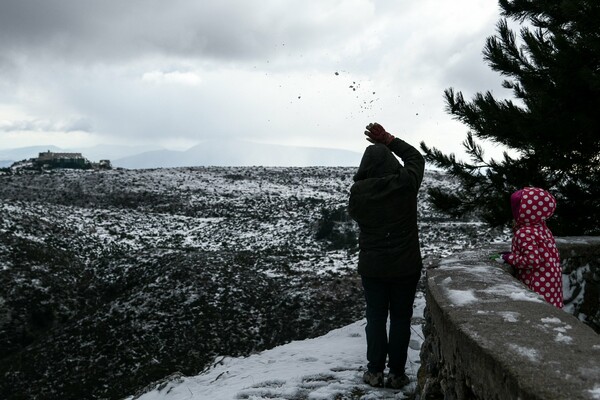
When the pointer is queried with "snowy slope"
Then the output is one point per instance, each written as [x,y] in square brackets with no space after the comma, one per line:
[327,367]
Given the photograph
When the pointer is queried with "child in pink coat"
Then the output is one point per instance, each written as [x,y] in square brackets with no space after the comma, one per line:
[534,254]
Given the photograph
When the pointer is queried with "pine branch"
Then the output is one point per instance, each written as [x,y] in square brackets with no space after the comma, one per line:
[501,52]
[475,151]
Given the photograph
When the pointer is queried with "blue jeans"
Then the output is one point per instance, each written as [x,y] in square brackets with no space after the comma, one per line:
[396,296]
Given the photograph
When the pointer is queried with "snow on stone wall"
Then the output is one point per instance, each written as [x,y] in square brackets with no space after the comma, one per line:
[488,337]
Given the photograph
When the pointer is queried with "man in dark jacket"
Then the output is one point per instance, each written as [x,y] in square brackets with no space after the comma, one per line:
[383,201]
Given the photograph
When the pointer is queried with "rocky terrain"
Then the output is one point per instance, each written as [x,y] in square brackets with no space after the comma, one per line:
[110,280]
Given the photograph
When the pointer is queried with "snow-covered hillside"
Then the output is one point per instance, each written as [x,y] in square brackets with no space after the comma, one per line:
[112,280]
[327,367]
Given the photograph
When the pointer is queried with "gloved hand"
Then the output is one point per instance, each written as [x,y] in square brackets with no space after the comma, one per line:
[377,134]
[496,257]
[500,257]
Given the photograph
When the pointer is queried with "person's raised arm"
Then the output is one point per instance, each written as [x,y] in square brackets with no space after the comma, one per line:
[414,163]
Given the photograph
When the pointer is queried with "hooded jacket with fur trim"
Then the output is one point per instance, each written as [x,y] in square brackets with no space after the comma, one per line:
[383,201]
[534,253]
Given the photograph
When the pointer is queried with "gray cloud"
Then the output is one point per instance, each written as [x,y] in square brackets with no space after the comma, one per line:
[44,125]
[89,31]
[152,71]
[465,70]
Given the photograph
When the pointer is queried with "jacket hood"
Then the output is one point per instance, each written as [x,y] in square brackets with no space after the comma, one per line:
[515,202]
[377,162]
[535,205]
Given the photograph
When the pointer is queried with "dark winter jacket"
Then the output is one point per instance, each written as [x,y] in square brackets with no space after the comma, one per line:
[383,201]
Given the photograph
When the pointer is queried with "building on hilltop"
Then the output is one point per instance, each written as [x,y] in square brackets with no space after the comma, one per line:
[50,160]
[48,155]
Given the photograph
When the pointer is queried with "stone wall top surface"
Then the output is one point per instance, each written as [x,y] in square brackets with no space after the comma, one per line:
[549,353]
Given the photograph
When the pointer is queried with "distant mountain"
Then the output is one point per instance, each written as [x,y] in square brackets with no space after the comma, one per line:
[9,156]
[209,153]
[241,153]
[112,152]
[94,153]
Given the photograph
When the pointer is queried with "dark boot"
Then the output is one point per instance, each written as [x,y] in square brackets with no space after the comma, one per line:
[373,378]
[396,381]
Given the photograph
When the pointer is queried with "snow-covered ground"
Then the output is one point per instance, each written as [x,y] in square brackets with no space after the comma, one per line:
[325,368]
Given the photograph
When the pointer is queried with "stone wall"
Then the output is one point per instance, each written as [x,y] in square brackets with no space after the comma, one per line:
[489,337]
[581,278]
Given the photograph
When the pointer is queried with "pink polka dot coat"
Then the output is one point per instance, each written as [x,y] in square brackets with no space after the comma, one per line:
[534,253]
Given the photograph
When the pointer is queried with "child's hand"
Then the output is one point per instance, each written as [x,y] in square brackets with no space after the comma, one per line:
[497,257]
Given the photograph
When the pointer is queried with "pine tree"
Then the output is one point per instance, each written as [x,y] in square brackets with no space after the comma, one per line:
[553,123]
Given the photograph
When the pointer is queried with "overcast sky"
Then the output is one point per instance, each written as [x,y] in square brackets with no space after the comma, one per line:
[76,73]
